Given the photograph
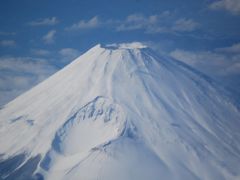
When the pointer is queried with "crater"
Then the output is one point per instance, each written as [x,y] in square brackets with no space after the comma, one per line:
[96,123]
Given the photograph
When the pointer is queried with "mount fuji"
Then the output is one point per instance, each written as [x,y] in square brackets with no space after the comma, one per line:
[121,112]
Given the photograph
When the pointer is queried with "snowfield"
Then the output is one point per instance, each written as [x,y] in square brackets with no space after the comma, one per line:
[121,112]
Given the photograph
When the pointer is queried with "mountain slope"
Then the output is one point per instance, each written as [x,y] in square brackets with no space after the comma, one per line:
[121,112]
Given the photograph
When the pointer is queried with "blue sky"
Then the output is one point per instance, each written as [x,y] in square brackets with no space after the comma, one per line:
[37,38]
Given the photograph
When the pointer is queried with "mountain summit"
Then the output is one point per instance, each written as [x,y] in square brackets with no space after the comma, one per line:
[121,112]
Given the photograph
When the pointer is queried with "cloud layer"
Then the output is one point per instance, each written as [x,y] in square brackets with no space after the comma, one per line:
[161,23]
[18,74]
[44,22]
[235,48]
[209,62]
[222,64]
[49,38]
[3,33]
[164,22]
[233,6]
[40,52]
[68,54]
[7,43]
[86,24]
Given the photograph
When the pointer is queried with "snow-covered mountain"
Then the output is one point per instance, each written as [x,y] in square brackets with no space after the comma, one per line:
[121,112]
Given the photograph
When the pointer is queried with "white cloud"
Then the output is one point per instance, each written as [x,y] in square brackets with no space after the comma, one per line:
[86,24]
[49,37]
[215,64]
[199,59]
[235,48]
[8,43]
[44,22]
[161,23]
[164,22]
[225,68]
[139,21]
[232,6]
[25,65]
[3,33]
[40,52]
[136,21]
[21,73]
[68,54]
[185,25]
